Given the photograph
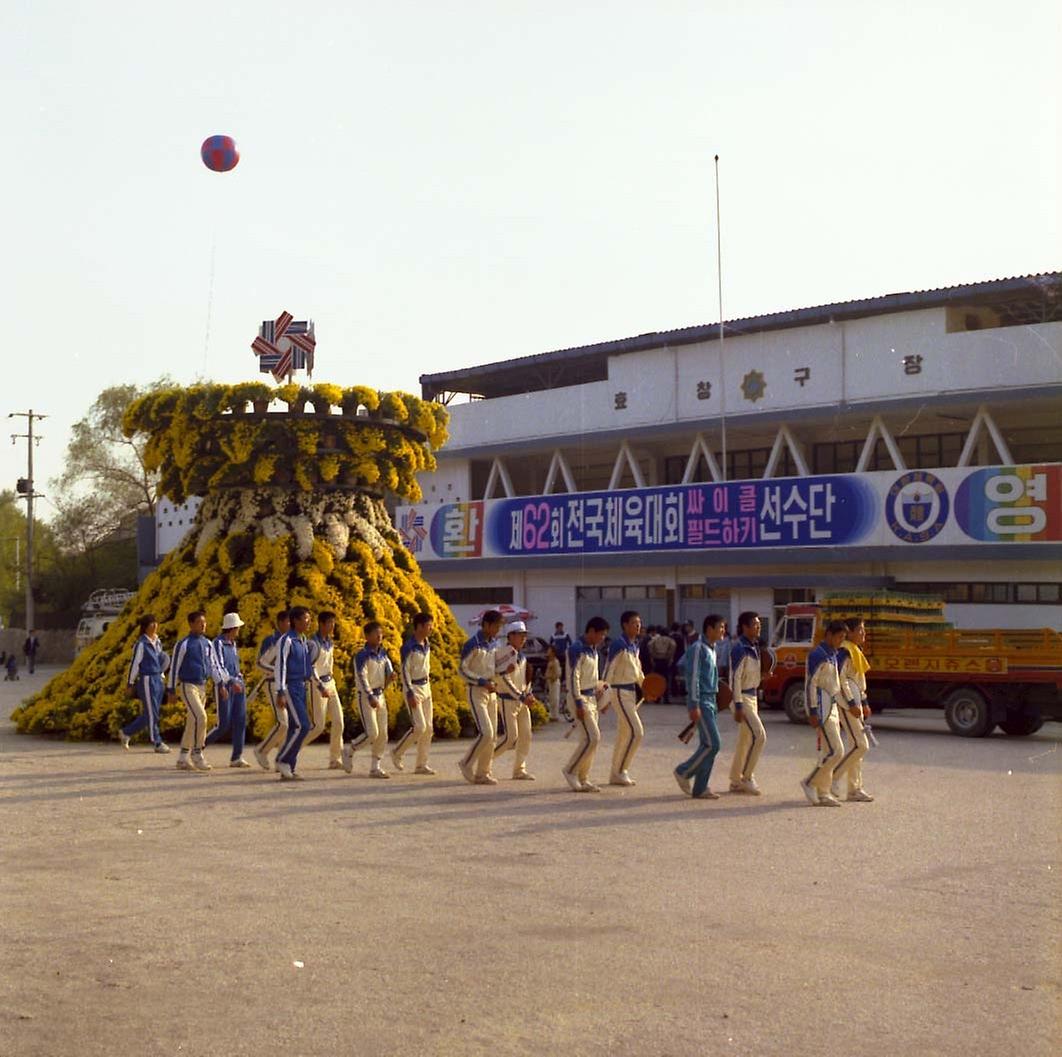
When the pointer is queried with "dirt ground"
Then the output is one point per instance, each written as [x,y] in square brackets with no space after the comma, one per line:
[145,911]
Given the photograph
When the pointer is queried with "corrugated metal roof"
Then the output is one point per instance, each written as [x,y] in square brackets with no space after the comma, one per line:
[586,363]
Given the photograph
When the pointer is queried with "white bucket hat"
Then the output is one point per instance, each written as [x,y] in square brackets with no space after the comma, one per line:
[230,621]
[516,625]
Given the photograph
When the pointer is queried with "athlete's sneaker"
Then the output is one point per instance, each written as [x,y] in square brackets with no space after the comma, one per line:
[835,791]
[523,776]
[706,795]
[623,778]
[183,763]
[425,769]
[683,783]
[348,758]
[810,792]
[573,781]
[397,763]
[123,739]
[589,787]
[335,765]
[828,800]
[467,772]
[378,772]
[200,762]
[285,772]
[485,779]
[296,777]
[241,763]
[262,758]
[162,748]
[860,796]
[736,787]
[749,786]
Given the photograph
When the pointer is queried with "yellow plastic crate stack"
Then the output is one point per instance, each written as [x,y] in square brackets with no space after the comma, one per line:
[884,611]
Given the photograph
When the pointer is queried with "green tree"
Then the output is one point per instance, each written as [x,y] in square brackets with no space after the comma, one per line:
[12,528]
[105,482]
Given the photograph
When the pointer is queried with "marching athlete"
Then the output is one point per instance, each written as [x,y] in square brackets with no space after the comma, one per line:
[292,673]
[702,684]
[477,668]
[822,690]
[583,692]
[325,705]
[415,662]
[267,659]
[232,708]
[853,667]
[145,682]
[373,670]
[745,682]
[623,678]
[193,664]
[514,700]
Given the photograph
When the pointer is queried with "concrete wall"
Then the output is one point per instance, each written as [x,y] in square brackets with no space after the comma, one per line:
[57,647]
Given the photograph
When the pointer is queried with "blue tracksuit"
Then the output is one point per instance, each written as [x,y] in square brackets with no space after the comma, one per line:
[702,684]
[145,674]
[292,673]
[232,711]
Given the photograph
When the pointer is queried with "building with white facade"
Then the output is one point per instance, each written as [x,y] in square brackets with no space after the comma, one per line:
[911,441]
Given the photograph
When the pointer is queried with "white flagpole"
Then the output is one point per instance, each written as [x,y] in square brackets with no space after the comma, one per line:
[719,273]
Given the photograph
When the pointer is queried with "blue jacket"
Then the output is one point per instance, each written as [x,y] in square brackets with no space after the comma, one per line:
[149,658]
[193,661]
[227,660]
[702,674]
[293,664]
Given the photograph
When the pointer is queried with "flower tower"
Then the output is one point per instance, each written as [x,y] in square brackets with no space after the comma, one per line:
[292,513]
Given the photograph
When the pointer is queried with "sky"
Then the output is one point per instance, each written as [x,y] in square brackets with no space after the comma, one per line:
[441,185]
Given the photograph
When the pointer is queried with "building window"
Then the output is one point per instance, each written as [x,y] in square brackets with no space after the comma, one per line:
[989,592]
[475,596]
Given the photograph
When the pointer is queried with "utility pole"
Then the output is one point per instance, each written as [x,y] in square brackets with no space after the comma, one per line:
[25,489]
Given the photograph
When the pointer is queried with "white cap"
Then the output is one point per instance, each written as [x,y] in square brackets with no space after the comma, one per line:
[230,621]
[516,625]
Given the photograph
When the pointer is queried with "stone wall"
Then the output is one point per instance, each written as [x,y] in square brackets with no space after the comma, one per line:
[57,647]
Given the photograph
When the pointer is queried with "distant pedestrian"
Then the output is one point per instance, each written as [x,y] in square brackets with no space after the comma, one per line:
[662,652]
[12,669]
[561,642]
[553,682]
[30,648]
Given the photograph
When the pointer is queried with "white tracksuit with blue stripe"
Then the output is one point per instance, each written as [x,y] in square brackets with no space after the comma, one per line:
[372,671]
[478,670]
[822,688]
[583,678]
[623,673]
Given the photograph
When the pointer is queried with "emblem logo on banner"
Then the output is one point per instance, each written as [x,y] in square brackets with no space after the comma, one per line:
[916,507]
[411,530]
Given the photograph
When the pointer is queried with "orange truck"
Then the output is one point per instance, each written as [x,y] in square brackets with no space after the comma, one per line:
[981,679]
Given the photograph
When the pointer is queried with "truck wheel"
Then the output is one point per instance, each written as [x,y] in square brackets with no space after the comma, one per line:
[966,712]
[1021,724]
[793,703]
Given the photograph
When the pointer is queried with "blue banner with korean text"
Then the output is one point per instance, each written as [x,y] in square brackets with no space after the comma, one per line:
[822,511]
[951,506]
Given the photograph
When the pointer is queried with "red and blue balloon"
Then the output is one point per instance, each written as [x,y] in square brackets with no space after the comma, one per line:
[219,153]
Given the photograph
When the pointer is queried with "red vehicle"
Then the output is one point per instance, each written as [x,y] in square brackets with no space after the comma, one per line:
[980,678]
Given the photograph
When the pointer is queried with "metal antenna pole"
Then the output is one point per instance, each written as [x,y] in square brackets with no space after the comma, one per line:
[719,273]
